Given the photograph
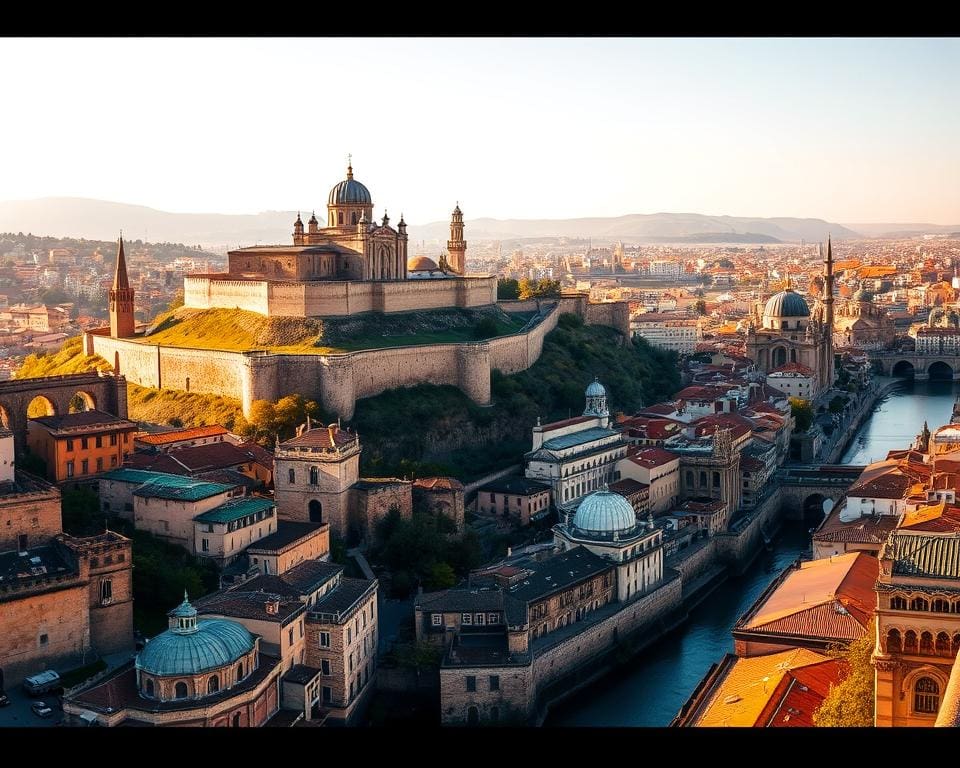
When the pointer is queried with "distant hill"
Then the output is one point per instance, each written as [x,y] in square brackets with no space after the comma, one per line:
[639,227]
[101,220]
[903,230]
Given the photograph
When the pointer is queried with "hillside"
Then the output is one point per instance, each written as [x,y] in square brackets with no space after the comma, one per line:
[429,429]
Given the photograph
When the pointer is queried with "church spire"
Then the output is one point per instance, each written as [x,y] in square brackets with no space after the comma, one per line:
[120,280]
[349,166]
[122,324]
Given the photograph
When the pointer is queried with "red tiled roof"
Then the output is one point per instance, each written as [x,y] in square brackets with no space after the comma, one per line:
[653,457]
[162,438]
[751,464]
[794,368]
[200,458]
[739,425]
[321,437]
[628,487]
[808,688]
[438,484]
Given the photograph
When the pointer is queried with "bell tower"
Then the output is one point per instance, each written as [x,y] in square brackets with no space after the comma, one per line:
[121,300]
[456,245]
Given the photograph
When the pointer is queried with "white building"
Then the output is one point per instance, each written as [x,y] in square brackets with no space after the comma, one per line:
[665,268]
[794,380]
[680,333]
[658,469]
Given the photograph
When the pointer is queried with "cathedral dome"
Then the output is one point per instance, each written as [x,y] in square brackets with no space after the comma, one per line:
[190,647]
[421,264]
[863,295]
[349,192]
[787,303]
[595,389]
[605,512]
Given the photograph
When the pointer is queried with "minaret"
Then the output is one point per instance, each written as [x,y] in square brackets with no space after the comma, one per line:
[456,245]
[313,227]
[828,305]
[121,300]
[298,231]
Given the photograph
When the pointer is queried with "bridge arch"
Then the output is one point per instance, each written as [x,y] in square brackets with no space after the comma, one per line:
[41,405]
[812,508]
[903,369]
[82,401]
[5,418]
[940,370]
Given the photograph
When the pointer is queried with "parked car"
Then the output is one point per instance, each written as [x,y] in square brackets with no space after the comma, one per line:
[4,700]
[36,685]
[40,709]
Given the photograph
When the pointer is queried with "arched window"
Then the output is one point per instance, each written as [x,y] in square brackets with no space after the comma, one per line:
[213,684]
[940,605]
[293,476]
[898,603]
[354,218]
[240,671]
[690,481]
[106,592]
[910,641]
[943,644]
[926,643]
[793,352]
[180,690]
[919,604]
[956,607]
[148,688]
[955,645]
[716,479]
[314,476]
[926,696]
[473,716]
[894,643]
[703,479]
[315,510]
[236,720]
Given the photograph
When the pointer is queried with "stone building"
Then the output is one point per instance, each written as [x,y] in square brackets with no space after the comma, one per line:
[62,598]
[441,496]
[786,332]
[78,446]
[709,469]
[516,498]
[860,323]
[577,456]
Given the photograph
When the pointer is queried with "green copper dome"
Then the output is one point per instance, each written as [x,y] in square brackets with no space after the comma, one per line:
[787,303]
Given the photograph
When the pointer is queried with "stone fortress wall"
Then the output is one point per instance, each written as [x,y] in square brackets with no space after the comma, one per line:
[338,381]
[336,298]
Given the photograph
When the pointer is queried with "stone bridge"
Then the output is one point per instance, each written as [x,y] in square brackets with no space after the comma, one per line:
[104,392]
[917,365]
[803,488]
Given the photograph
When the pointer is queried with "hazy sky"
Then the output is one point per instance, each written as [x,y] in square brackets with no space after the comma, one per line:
[847,130]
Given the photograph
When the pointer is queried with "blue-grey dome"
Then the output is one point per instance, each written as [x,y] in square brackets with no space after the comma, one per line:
[863,295]
[787,303]
[349,192]
[595,389]
[605,512]
[214,643]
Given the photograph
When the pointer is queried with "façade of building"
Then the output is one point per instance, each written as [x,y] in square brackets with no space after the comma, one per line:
[860,323]
[63,599]
[786,332]
[352,265]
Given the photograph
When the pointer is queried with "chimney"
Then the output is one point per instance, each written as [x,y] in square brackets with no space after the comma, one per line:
[273,605]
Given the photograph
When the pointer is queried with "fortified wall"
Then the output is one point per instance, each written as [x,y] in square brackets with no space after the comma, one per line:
[338,381]
[336,298]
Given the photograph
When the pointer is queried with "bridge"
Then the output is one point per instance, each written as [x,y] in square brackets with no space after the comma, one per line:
[101,391]
[804,487]
[918,365]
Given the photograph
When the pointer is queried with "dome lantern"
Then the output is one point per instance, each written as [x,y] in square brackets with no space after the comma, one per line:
[596,396]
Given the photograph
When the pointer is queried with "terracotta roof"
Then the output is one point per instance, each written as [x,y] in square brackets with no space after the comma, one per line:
[702,393]
[192,459]
[807,688]
[737,424]
[438,484]
[83,423]
[793,368]
[321,437]
[751,464]
[628,487]
[653,457]
[862,530]
[163,438]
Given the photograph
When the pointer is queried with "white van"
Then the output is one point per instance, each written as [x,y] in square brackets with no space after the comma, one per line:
[41,683]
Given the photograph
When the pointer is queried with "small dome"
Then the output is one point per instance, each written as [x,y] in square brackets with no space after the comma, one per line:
[595,389]
[349,192]
[605,512]
[863,295]
[421,264]
[215,643]
[787,303]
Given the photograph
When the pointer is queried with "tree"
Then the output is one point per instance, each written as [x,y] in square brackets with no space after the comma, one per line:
[441,577]
[263,418]
[538,289]
[485,328]
[802,413]
[700,307]
[850,703]
[507,289]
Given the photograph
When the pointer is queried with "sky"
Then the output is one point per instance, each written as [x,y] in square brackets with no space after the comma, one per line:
[849,130]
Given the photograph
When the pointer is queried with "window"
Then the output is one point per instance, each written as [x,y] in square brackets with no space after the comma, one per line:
[85,466]
[327,694]
[324,639]
[479,619]
[290,636]
[325,667]
[314,476]
[69,469]
[113,461]
[100,464]
[466,618]
[940,606]
[213,684]
[180,690]
[113,439]
[349,635]
[493,496]
[351,662]
[236,716]
[69,444]
[471,683]
[292,475]
[22,542]
[492,618]
[918,604]
[106,592]
[436,619]
[43,639]
[99,441]
[926,696]
[84,443]
[149,688]
[240,671]
[494,682]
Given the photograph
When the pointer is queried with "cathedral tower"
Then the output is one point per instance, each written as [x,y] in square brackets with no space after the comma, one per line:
[121,300]
[456,245]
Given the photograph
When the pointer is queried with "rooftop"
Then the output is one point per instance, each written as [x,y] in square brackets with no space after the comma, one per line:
[342,599]
[287,533]
[653,457]
[200,458]
[301,580]
[579,438]
[461,600]
[165,486]
[235,509]
[558,573]
[520,486]
[247,603]
[84,422]
[164,438]
[321,438]
[438,484]
[923,554]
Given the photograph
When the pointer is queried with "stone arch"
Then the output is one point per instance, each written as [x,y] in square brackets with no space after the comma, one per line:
[778,357]
[315,511]
[904,369]
[927,670]
[180,690]
[812,507]
[82,401]
[473,716]
[894,641]
[41,405]
[938,369]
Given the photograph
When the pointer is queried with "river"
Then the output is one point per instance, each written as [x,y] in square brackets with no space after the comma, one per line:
[650,690]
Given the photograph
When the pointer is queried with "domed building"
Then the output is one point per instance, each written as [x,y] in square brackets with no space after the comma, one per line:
[207,672]
[787,338]
[424,268]
[607,525]
[860,323]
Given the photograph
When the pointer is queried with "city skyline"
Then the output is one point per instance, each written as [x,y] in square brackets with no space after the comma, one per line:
[844,130]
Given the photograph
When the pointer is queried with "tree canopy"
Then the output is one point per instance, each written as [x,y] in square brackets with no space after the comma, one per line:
[850,704]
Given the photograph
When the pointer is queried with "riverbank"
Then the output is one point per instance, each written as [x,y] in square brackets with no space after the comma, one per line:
[880,387]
